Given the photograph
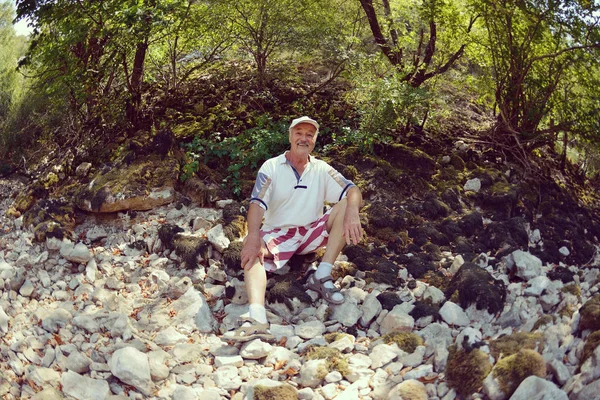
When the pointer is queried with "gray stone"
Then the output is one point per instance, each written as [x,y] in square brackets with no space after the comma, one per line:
[131,366]
[535,388]
[84,388]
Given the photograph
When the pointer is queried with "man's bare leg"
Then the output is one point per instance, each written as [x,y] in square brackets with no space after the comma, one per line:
[335,244]
[256,286]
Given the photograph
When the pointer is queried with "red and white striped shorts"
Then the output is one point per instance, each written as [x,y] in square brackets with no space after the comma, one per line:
[283,243]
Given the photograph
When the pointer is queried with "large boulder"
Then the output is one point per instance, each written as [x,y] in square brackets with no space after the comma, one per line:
[143,184]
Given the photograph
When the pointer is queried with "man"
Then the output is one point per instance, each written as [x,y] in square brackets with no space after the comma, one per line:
[290,193]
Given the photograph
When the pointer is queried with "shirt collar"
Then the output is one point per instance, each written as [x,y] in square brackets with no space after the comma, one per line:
[282,159]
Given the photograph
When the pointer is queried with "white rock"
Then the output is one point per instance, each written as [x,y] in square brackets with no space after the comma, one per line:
[453,314]
[255,349]
[419,372]
[4,319]
[77,253]
[537,285]
[564,251]
[227,378]
[456,264]
[527,265]
[217,238]
[371,308]
[131,366]
[435,295]
[84,388]
[383,354]
[236,361]
[157,361]
[312,373]
[472,185]
[397,320]
[310,330]
[348,313]
[408,389]
[534,387]
[169,337]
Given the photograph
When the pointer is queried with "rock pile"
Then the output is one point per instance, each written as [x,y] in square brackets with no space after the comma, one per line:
[118,313]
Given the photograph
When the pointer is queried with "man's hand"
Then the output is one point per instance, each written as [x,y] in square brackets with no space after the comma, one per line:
[251,250]
[352,228]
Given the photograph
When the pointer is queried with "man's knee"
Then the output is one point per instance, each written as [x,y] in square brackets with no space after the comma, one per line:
[337,214]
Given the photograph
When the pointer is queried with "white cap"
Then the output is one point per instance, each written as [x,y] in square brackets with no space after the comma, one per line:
[304,120]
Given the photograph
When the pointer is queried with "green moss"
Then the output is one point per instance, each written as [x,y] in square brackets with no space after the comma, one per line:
[591,343]
[466,371]
[334,336]
[545,319]
[455,297]
[512,370]
[350,172]
[435,278]
[501,187]
[567,311]
[236,229]
[282,392]
[334,358]
[573,289]
[511,344]
[343,269]
[407,341]
[50,180]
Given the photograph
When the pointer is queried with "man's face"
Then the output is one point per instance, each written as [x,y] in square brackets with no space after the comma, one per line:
[303,139]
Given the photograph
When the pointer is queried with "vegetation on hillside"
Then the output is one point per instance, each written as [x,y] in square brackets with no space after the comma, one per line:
[225,76]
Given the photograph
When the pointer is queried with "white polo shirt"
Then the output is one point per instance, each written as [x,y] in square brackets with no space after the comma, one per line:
[291,200]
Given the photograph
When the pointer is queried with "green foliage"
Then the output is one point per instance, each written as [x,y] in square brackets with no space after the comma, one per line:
[242,153]
[387,104]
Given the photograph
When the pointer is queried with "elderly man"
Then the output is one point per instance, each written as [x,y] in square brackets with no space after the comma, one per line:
[290,194]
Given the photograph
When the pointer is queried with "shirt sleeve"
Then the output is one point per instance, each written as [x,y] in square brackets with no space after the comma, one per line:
[261,193]
[337,186]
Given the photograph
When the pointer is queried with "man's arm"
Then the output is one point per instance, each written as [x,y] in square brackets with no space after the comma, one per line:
[252,242]
[352,228]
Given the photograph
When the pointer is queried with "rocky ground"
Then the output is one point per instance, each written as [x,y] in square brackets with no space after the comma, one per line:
[117,313]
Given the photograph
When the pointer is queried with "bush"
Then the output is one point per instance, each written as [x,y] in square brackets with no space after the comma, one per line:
[242,153]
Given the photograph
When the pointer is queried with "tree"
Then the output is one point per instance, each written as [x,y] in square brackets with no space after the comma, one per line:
[411,44]
[10,49]
[534,48]
[262,27]
[92,50]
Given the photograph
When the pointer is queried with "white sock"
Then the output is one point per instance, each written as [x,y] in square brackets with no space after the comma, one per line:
[258,312]
[324,270]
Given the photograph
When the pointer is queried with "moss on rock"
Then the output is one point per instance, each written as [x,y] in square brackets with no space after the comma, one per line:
[477,286]
[333,357]
[508,345]
[590,314]
[512,370]
[334,336]
[466,371]
[591,343]
[407,341]
[545,319]
[282,392]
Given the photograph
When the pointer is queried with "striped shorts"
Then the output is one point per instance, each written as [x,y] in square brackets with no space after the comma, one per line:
[283,243]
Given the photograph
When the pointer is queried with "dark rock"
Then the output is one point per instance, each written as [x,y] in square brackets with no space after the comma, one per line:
[418,267]
[389,300]
[560,274]
[285,289]
[471,223]
[450,228]
[166,234]
[450,197]
[50,218]
[476,286]
[424,309]
[412,284]
[434,209]
[354,252]
[232,255]
[190,248]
